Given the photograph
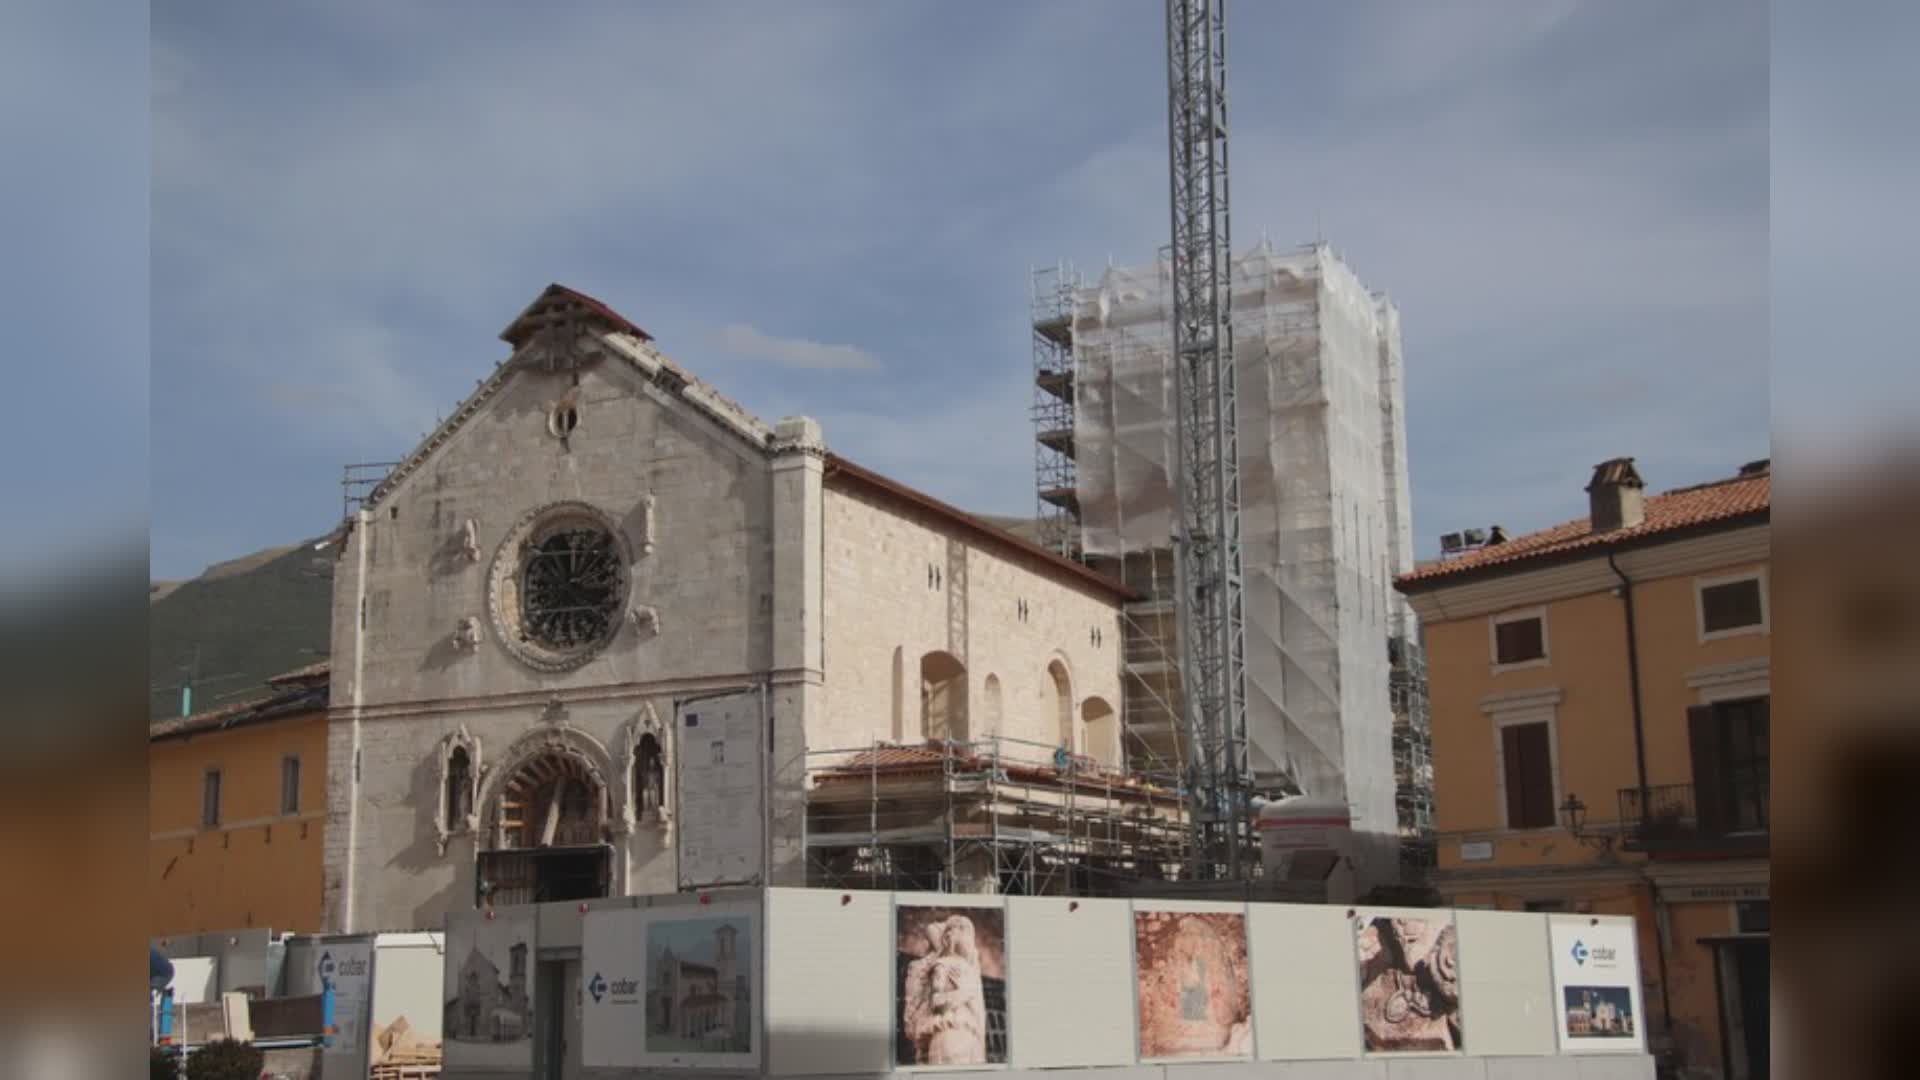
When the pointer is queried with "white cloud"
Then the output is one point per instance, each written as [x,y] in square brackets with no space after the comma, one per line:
[744,340]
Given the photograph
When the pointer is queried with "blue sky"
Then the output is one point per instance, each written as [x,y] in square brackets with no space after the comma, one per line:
[832,208]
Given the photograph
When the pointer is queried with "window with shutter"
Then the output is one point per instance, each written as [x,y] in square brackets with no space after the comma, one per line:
[1527,753]
[1731,605]
[1709,791]
[290,784]
[210,799]
[1517,641]
[1732,779]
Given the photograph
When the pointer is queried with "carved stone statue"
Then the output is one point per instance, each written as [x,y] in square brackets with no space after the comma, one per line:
[645,619]
[466,637]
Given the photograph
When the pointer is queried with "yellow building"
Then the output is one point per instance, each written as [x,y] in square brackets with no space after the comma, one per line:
[1600,696]
[237,813]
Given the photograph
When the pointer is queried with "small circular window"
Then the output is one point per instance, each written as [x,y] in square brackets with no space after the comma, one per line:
[559,585]
[562,420]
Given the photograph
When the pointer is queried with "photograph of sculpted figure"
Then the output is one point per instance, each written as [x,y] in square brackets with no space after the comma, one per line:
[952,978]
[1409,984]
[1195,998]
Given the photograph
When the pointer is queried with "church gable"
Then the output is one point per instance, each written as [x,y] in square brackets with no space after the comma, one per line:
[565,331]
[591,514]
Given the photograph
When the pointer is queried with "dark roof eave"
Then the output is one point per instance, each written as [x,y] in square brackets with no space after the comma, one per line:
[302,704]
[1524,563]
[838,467]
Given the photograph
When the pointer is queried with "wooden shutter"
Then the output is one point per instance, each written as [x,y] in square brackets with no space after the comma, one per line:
[1709,775]
[1518,641]
[1528,761]
[1538,771]
[1510,764]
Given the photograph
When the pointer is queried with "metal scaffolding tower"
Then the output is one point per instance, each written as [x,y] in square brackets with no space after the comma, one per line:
[1412,758]
[1211,616]
[1053,469]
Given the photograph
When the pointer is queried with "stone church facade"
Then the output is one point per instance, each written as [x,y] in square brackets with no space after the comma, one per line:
[595,534]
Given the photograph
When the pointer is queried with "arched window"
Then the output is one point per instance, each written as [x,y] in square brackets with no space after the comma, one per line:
[1062,685]
[459,801]
[649,778]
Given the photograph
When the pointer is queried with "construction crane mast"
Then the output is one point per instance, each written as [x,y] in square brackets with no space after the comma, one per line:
[1211,617]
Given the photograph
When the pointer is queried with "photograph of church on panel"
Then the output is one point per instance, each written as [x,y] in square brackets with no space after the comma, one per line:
[530,608]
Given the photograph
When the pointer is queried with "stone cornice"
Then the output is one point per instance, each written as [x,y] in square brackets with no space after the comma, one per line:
[1521,700]
[542,698]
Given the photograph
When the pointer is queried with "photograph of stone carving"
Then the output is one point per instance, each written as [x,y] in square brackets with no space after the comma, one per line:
[1194,994]
[951,971]
[1409,984]
[699,986]
[492,1000]
[1599,1012]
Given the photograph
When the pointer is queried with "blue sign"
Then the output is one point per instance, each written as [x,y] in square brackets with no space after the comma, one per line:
[597,986]
[1580,952]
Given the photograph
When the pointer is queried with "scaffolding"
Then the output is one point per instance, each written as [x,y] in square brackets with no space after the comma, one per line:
[358,481]
[992,815]
[1324,510]
[1412,758]
[1051,309]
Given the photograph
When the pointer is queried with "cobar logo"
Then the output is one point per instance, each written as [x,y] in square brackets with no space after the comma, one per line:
[1601,955]
[617,989]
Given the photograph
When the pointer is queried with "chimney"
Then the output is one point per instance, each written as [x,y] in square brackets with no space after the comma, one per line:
[1616,496]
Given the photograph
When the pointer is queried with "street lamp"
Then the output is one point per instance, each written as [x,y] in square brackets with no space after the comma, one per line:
[1574,813]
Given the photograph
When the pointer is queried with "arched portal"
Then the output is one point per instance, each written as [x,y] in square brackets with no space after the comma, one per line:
[994,718]
[1061,685]
[1101,730]
[943,697]
[547,829]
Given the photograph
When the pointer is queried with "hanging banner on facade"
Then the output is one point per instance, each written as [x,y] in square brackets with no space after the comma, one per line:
[720,770]
[489,989]
[348,969]
[1596,985]
[670,987]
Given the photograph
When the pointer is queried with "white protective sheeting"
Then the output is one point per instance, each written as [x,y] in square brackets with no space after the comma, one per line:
[1325,523]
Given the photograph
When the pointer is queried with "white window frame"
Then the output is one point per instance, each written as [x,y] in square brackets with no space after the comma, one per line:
[1494,622]
[1525,707]
[1700,587]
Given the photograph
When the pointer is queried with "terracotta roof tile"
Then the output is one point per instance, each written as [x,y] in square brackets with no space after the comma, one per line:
[1682,508]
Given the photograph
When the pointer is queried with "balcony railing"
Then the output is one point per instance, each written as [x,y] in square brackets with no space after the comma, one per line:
[1668,818]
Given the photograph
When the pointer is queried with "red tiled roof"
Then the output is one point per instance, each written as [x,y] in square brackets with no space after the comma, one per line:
[934,756]
[1723,501]
[839,468]
[518,331]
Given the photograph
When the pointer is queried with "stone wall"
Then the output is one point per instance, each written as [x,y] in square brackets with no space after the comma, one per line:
[694,504]
[902,583]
